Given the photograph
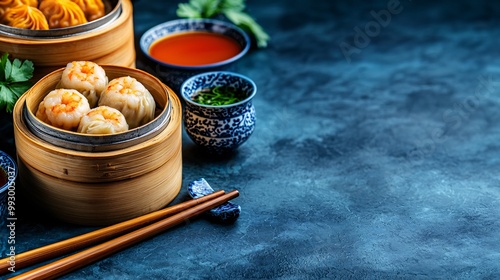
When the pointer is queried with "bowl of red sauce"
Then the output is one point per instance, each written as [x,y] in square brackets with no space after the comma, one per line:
[182,48]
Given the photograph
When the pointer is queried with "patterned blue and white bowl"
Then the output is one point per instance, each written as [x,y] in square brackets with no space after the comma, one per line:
[219,128]
[9,173]
[174,75]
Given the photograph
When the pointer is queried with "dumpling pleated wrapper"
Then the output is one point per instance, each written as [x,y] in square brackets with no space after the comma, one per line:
[130,97]
[7,4]
[63,108]
[85,76]
[26,17]
[103,120]
[32,3]
[62,13]
[93,9]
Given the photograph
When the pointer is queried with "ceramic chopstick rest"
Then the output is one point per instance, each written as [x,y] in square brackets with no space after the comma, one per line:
[225,213]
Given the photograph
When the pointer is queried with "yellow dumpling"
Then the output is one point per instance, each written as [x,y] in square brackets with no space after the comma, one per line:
[62,13]
[24,16]
[93,9]
[6,4]
[32,3]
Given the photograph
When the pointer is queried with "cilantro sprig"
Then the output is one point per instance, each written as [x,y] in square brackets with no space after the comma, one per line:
[233,10]
[14,80]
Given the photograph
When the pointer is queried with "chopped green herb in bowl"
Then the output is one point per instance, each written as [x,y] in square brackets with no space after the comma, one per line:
[218,96]
[219,128]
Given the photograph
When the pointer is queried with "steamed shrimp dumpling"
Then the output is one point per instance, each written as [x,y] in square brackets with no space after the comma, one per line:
[63,108]
[85,76]
[130,97]
[103,120]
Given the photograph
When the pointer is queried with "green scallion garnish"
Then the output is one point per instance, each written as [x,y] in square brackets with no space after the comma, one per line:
[218,96]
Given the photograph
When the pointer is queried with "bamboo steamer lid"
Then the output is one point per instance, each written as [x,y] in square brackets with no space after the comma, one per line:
[106,187]
[112,44]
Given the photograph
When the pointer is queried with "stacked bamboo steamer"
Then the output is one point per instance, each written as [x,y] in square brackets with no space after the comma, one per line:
[109,43]
[103,187]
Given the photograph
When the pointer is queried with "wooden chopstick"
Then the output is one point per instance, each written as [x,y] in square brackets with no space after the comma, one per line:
[78,242]
[88,256]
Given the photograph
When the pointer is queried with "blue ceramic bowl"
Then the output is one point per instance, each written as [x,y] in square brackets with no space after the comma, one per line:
[219,128]
[174,75]
[9,168]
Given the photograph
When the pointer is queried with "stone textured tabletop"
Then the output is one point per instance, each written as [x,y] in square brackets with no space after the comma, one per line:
[376,153]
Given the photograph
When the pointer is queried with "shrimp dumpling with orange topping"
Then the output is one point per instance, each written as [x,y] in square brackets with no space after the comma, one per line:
[130,97]
[63,108]
[103,120]
[87,77]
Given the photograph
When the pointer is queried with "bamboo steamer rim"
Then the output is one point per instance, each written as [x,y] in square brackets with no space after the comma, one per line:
[126,13]
[116,153]
[86,142]
[124,56]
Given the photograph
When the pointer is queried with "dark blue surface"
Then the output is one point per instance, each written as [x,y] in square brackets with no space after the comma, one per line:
[384,167]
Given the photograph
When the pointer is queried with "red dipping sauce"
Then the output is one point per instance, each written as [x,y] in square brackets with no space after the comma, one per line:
[194,48]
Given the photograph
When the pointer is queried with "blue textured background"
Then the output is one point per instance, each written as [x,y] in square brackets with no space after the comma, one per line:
[384,167]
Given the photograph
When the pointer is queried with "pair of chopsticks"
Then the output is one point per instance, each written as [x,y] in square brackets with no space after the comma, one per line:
[134,231]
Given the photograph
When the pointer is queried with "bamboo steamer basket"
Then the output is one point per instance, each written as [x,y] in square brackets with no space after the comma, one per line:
[104,187]
[111,43]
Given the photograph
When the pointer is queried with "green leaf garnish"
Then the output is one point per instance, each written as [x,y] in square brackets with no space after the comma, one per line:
[233,10]
[248,24]
[14,80]
[198,9]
